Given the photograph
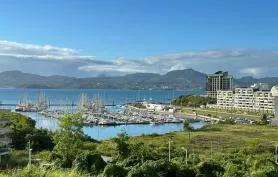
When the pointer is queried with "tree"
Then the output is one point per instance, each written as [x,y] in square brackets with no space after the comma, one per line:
[143,152]
[89,163]
[68,140]
[122,145]
[264,119]
[21,126]
[41,139]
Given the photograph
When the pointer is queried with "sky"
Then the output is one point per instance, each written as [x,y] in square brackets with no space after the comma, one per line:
[85,38]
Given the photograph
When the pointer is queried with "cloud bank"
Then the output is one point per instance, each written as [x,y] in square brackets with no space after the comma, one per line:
[52,60]
[45,52]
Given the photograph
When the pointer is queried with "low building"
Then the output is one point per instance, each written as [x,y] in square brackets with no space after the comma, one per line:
[225,99]
[274,92]
[153,107]
[248,99]
[263,101]
[244,98]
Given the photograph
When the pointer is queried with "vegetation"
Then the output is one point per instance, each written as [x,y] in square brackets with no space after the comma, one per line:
[220,113]
[24,130]
[138,105]
[264,120]
[193,100]
[227,150]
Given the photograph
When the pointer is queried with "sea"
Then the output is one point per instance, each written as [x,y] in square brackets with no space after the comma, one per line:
[109,97]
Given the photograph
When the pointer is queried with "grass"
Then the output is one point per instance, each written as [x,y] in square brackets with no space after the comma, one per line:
[212,141]
[222,113]
[218,138]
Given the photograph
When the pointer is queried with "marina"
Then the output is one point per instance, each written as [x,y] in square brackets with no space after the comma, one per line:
[95,112]
[113,103]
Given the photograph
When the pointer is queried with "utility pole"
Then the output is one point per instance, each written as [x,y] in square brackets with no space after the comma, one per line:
[169,153]
[30,154]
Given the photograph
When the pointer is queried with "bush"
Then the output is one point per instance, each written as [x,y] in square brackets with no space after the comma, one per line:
[186,171]
[210,169]
[41,139]
[160,168]
[89,163]
[33,171]
[113,170]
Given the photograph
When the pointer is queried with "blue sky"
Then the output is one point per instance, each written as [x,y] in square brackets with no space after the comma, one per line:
[117,31]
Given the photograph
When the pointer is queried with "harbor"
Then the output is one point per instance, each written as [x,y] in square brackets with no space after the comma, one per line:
[112,103]
[94,112]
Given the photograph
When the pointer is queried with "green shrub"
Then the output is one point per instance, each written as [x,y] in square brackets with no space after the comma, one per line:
[89,163]
[113,170]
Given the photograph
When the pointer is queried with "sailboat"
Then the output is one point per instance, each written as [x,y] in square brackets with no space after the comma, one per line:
[24,105]
[41,102]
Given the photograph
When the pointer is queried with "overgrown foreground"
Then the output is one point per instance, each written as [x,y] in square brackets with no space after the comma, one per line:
[216,150]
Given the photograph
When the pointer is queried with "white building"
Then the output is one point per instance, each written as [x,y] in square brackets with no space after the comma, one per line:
[260,86]
[274,92]
[246,99]
[263,101]
[225,99]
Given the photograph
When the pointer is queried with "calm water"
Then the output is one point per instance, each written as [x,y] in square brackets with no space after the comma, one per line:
[106,132]
[118,96]
[109,96]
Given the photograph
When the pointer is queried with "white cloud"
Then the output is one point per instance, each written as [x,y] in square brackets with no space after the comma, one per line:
[240,62]
[43,52]
[110,68]
[50,60]
[251,71]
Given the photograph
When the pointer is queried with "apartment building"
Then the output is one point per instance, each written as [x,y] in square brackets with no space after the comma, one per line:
[225,99]
[218,81]
[246,99]
[263,101]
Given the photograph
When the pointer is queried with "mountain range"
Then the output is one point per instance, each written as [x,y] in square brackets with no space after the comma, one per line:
[178,79]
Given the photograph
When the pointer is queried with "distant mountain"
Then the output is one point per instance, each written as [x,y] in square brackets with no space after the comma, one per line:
[179,79]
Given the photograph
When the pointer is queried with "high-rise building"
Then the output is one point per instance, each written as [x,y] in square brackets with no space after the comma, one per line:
[219,81]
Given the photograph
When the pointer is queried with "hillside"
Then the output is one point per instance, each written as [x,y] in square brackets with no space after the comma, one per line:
[179,79]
